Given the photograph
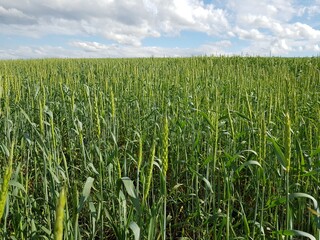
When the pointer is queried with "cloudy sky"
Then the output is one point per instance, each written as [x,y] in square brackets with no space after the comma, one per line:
[145,28]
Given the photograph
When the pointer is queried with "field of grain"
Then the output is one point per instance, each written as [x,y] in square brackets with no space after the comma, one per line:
[185,148]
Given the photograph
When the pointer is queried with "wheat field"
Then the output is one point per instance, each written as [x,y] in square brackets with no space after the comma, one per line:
[160,148]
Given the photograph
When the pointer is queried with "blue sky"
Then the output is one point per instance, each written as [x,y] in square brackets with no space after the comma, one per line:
[145,28]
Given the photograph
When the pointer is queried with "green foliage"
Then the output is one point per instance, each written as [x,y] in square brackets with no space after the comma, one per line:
[168,148]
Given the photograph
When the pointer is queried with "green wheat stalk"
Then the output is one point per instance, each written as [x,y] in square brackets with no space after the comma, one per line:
[287,155]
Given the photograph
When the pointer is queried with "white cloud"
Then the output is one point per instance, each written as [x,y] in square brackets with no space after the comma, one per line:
[216,48]
[310,10]
[90,46]
[95,49]
[192,14]
[270,26]
[14,16]
[38,52]
[125,22]
[264,26]
[304,31]
[280,46]
[251,34]
[98,50]
[282,10]
[150,7]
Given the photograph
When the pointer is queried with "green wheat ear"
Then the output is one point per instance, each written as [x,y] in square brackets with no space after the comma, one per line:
[287,141]
[113,106]
[149,177]
[58,227]
[5,184]
[165,144]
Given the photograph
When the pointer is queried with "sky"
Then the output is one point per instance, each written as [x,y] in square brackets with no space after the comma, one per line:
[158,28]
